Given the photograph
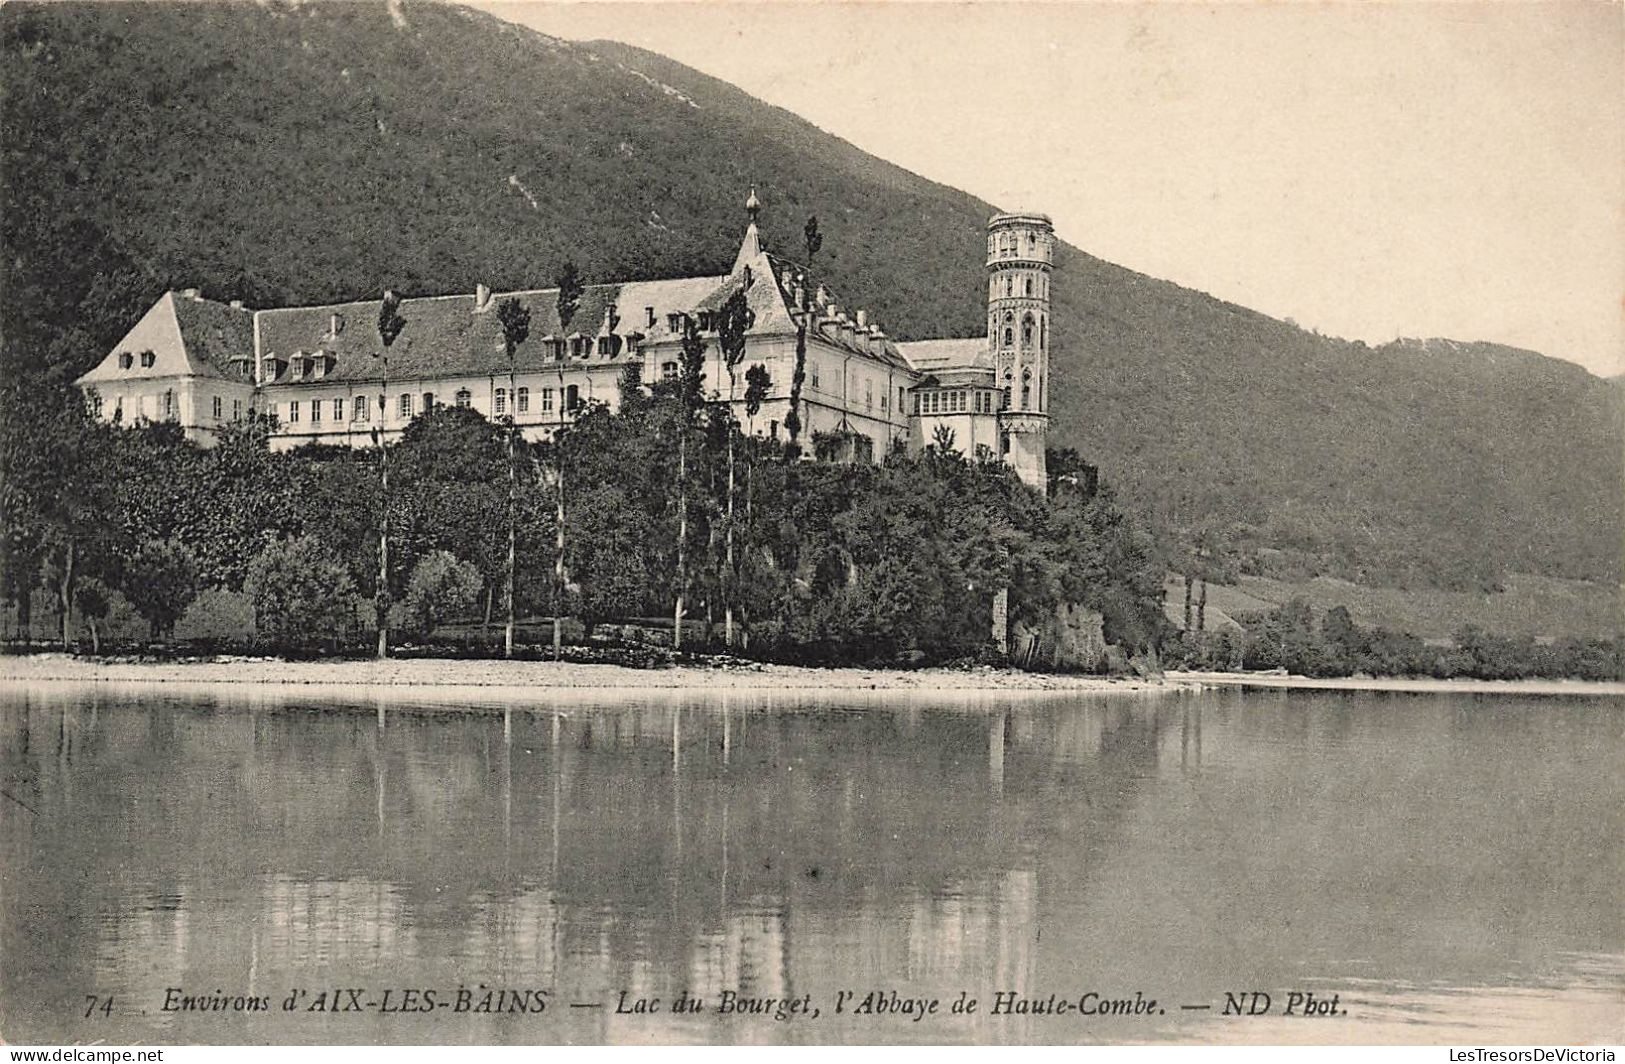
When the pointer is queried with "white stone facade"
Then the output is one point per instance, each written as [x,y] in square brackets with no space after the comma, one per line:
[322,372]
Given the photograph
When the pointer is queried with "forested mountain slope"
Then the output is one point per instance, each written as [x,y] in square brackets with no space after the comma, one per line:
[285,153]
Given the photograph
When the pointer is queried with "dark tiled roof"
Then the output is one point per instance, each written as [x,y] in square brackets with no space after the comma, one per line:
[216,336]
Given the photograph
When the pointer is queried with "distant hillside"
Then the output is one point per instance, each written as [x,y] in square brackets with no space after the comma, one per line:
[281,153]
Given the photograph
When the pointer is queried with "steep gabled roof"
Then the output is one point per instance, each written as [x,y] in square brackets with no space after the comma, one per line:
[188,336]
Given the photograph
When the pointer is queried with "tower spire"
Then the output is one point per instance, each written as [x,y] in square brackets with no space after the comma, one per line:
[751,247]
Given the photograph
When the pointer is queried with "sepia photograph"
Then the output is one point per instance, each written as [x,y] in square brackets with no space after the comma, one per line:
[619,523]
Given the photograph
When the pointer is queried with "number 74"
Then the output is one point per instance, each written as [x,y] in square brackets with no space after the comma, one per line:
[98,1004]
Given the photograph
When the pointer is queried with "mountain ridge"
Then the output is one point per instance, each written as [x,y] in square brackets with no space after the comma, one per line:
[314,152]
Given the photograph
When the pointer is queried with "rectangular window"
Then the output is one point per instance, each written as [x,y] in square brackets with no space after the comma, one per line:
[338,410]
[869,395]
[293,412]
[406,405]
[219,408]
[547,400]
[499,405]
[315,410]
[902,399]
[363,409]
[524,400]
[236,410]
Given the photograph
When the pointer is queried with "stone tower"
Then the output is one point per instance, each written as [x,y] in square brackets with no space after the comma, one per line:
[1020,256]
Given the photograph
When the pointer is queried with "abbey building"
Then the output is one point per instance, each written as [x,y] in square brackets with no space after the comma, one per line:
[326,376]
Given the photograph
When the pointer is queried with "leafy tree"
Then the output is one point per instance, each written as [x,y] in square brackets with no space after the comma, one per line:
[733,321]
[813,240]
[302,593]
[569,300]
[390,324]
[161,581]
[691,391]
[57,488]
[442,586]
[515,318]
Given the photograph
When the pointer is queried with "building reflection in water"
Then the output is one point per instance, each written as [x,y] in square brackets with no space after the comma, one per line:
[253,842]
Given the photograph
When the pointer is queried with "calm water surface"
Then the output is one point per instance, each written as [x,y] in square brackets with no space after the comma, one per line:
[1449,866]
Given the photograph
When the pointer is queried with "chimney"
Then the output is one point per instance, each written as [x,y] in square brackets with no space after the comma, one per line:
[482,297]
[236,304]
[863,319]
[190,293]
[822,297]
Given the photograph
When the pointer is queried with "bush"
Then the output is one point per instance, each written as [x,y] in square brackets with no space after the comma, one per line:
[442,586]
[302,593]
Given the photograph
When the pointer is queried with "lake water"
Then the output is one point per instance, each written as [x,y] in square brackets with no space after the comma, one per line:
[1448,867]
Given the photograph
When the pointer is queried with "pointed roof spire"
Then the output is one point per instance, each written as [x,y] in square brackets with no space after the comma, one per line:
[751,247]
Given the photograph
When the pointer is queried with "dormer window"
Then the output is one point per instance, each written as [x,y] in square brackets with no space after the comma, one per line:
[674,322]
[579,348]
[705,321]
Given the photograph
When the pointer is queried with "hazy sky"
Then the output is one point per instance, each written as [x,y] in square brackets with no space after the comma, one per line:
[1370,170]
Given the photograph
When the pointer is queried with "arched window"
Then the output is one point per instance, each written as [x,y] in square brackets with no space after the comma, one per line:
[463,398]
[1009,282]
[1009,336]
[1027,331]
[1004,398]
[1026,394]
[572,398]
[1032,243]
[499,404]
[1029,286]
[523,400]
